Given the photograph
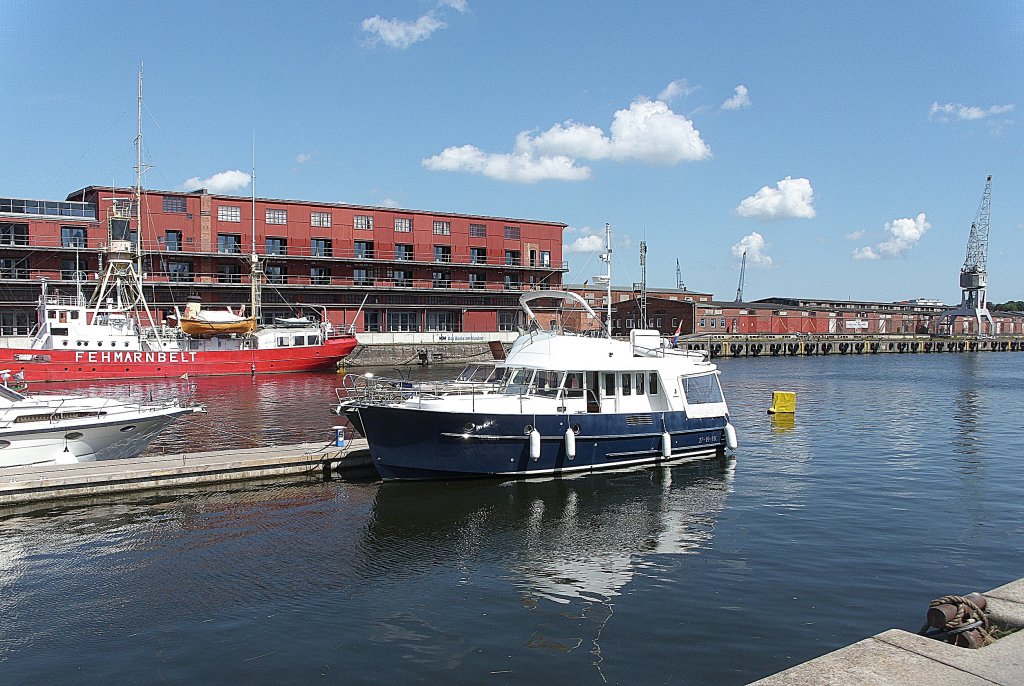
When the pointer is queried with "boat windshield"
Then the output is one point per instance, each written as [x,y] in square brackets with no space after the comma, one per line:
[702,389]
[10,394]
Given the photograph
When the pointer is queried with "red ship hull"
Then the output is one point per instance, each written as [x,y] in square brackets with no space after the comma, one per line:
[90,365]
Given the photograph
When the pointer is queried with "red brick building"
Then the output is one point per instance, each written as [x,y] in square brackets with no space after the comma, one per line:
[410,270]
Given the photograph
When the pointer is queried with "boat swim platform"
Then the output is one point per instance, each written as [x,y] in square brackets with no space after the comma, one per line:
[52,482]
[901,658]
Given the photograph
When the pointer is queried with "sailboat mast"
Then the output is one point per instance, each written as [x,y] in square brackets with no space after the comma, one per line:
[607,257]
[138,181]
[255,273]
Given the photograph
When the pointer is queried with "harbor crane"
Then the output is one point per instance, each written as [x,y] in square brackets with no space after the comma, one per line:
[973,277]
[679,277]
[743,271]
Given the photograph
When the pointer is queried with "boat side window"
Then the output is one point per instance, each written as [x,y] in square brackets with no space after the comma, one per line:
[701,389]
[609,384]
[627,383]
[480,374]
[282,341]
[518,381]
[300,340]
[51,314]
[574,385]
[653,385]
[467,373]
[74,314]
[639,383]
[546,383]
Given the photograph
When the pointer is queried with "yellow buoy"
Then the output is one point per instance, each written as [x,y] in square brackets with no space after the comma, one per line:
[783,402]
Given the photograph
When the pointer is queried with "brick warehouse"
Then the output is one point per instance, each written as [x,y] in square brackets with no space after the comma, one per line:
[417,271]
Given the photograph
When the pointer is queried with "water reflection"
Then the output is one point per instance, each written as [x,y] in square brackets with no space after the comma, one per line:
[568,546]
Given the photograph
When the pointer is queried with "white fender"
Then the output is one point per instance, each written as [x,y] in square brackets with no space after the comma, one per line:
[535,444]
[570,443]
[666,444]
[730,436]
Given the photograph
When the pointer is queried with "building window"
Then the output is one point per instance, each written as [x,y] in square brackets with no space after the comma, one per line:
[723,323]
[545,258]
[399,320]
[229,273]
[277,216]
[73,270]
[442,320]
[320,219]
[478,255]
[403,224]
[507,321]
[629,323]
[172,241]
[512,258]
[276,273]
[320,276]
[702,321]
[362,222]
[13,234]
[363,249]
[442,253]
[175,203]
[442,228]
[277,245]
[361,276]
[179,272]
[511,283]
[478,231]
[72,237]
[371,320]
[713,322]
[512,233]
[402,277]
[229,242]
[228,213]
[442,280]
[403,252]
[321,247]
[477,280]
[11,268]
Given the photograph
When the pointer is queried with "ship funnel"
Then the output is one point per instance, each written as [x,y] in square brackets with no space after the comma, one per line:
[193,306]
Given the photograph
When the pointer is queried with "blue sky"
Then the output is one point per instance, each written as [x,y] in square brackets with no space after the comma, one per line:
[843,145]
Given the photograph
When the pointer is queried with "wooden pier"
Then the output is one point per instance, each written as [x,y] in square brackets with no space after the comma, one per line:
[767,345]
[21,485]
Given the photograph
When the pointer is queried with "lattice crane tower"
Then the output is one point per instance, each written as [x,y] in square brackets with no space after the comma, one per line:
[973,277]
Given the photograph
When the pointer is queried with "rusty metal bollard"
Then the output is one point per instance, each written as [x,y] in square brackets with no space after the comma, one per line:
[959,620]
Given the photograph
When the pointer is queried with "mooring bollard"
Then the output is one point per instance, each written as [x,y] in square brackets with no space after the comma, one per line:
[959,620]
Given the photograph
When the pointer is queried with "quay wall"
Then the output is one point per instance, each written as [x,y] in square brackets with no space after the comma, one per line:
[785,346]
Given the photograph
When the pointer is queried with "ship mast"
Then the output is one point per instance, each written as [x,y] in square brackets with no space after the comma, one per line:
[122,274]
[606,257]
[255,270]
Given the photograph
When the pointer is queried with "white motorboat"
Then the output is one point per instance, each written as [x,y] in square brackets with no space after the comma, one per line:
[64,429]
[567,402]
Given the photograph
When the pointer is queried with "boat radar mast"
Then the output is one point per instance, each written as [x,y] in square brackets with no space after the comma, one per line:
[973,275]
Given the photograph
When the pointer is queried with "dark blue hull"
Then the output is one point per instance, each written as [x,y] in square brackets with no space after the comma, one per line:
[415,444]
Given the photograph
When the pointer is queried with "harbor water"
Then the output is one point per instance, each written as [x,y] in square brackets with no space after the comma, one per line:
[898,480]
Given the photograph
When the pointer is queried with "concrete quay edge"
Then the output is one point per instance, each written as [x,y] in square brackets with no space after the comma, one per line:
[900,658]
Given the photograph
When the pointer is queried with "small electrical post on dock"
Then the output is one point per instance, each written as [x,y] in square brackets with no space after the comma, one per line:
[783,402]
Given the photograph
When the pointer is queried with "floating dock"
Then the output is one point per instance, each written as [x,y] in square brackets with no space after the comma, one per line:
[770,345]
[901,658]
[22,485]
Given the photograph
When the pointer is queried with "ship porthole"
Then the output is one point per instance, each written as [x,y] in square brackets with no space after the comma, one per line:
[468,427]
[4,444]
[576,429]
[126,429]
[74,435]
[527,429]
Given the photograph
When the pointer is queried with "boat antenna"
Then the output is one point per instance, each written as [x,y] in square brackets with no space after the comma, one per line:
[606,257]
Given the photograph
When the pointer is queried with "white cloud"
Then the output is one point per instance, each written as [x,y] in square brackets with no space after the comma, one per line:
[740,99]
[400,34]
[790,199]
[904,234]
[648,131]
[303,157]
[593,243]
[675,89]
[754,245]
[389,202]
[519,167]
[855,235]
[949,111]
[222,182]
